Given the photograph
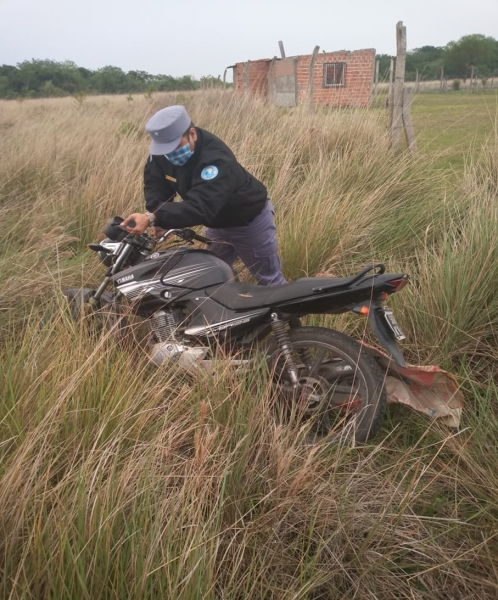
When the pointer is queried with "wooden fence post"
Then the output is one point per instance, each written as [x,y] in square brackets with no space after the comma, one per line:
[441,80]
[417,82]
[271,80]
[311,86]
[296,88]
[399,81]
[472,76]
[247,79]
[390,94]
[376,78]
[407,121]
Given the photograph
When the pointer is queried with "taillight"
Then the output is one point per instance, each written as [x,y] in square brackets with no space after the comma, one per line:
[398,284]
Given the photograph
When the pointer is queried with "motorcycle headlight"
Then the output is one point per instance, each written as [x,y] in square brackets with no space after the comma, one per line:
[107,257]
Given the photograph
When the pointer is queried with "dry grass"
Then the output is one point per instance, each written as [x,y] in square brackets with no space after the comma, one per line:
[119,480]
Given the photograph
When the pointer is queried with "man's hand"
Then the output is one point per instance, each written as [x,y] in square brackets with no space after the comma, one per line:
[141,223]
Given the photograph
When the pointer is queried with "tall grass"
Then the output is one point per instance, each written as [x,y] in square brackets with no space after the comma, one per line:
[119,480]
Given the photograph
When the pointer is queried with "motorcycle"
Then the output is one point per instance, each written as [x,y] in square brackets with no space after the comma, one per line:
[195,306]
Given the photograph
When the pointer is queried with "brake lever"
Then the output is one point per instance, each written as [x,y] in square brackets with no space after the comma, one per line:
[166,235]
[186,237]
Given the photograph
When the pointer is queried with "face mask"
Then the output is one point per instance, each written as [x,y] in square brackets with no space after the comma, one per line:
[180,156]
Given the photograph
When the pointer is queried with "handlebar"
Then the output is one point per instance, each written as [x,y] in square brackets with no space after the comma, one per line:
[185,234]
[116,233]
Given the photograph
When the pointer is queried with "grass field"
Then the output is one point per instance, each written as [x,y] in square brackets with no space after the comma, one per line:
[119,480]
[451,126]
[456,124]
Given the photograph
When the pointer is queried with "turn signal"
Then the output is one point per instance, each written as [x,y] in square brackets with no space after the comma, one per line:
[365,310]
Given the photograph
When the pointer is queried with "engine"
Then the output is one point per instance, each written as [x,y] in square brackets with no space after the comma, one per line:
[168,347]
[164,324]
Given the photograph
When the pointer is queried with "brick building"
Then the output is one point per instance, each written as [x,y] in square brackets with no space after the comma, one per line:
[339,78]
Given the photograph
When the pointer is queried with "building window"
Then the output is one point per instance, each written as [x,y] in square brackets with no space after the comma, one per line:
[334,74]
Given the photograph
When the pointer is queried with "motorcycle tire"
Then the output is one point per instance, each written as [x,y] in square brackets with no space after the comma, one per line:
[99,320]
[340,391]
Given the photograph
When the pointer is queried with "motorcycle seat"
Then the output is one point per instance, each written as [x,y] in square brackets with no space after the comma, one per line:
[244,296]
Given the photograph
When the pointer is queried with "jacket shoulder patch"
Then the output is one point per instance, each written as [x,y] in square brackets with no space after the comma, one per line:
[209,172]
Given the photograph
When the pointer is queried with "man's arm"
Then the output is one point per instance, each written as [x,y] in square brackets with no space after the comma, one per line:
[203,202]
[157,189]
[201,205]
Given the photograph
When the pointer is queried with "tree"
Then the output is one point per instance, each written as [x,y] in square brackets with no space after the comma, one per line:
[110,80]
[5,91]
[427,60]
[45,78]
[384,65]
[474,50]
[211,82]
[48,89]
[187,82]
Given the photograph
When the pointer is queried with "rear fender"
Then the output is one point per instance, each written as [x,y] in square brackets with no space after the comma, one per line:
[381,329]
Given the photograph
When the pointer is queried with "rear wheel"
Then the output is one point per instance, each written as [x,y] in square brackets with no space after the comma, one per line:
[340,391]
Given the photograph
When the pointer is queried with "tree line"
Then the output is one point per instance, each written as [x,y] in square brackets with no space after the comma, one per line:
[45,78]
[456,58]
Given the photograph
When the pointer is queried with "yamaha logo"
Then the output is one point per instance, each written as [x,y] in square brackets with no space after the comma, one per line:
[126,278]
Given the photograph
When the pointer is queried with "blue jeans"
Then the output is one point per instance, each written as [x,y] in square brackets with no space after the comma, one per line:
[255,244]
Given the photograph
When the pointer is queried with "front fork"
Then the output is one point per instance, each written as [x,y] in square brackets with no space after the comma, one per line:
[94,300]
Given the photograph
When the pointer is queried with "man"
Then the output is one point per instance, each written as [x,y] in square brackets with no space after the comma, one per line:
[216,191]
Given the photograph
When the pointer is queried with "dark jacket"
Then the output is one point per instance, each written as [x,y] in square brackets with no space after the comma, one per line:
[233,197]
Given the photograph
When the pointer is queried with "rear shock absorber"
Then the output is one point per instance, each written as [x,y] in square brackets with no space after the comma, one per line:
[304,353]
[281,334]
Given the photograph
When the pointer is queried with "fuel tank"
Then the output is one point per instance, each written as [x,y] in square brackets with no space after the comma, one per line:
[184,268]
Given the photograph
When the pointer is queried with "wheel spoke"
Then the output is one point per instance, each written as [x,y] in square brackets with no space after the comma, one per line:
[318,363]
[342,389]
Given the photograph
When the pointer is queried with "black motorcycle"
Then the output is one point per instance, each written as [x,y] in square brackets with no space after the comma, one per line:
[195,307]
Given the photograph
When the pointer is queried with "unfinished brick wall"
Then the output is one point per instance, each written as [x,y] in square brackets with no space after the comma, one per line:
[252,76]
[282,81]
[358,78]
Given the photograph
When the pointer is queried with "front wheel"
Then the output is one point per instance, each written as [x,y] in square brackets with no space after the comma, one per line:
[102,319]
[340,391]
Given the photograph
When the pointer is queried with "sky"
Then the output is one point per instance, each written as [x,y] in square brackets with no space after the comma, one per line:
[203,37]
